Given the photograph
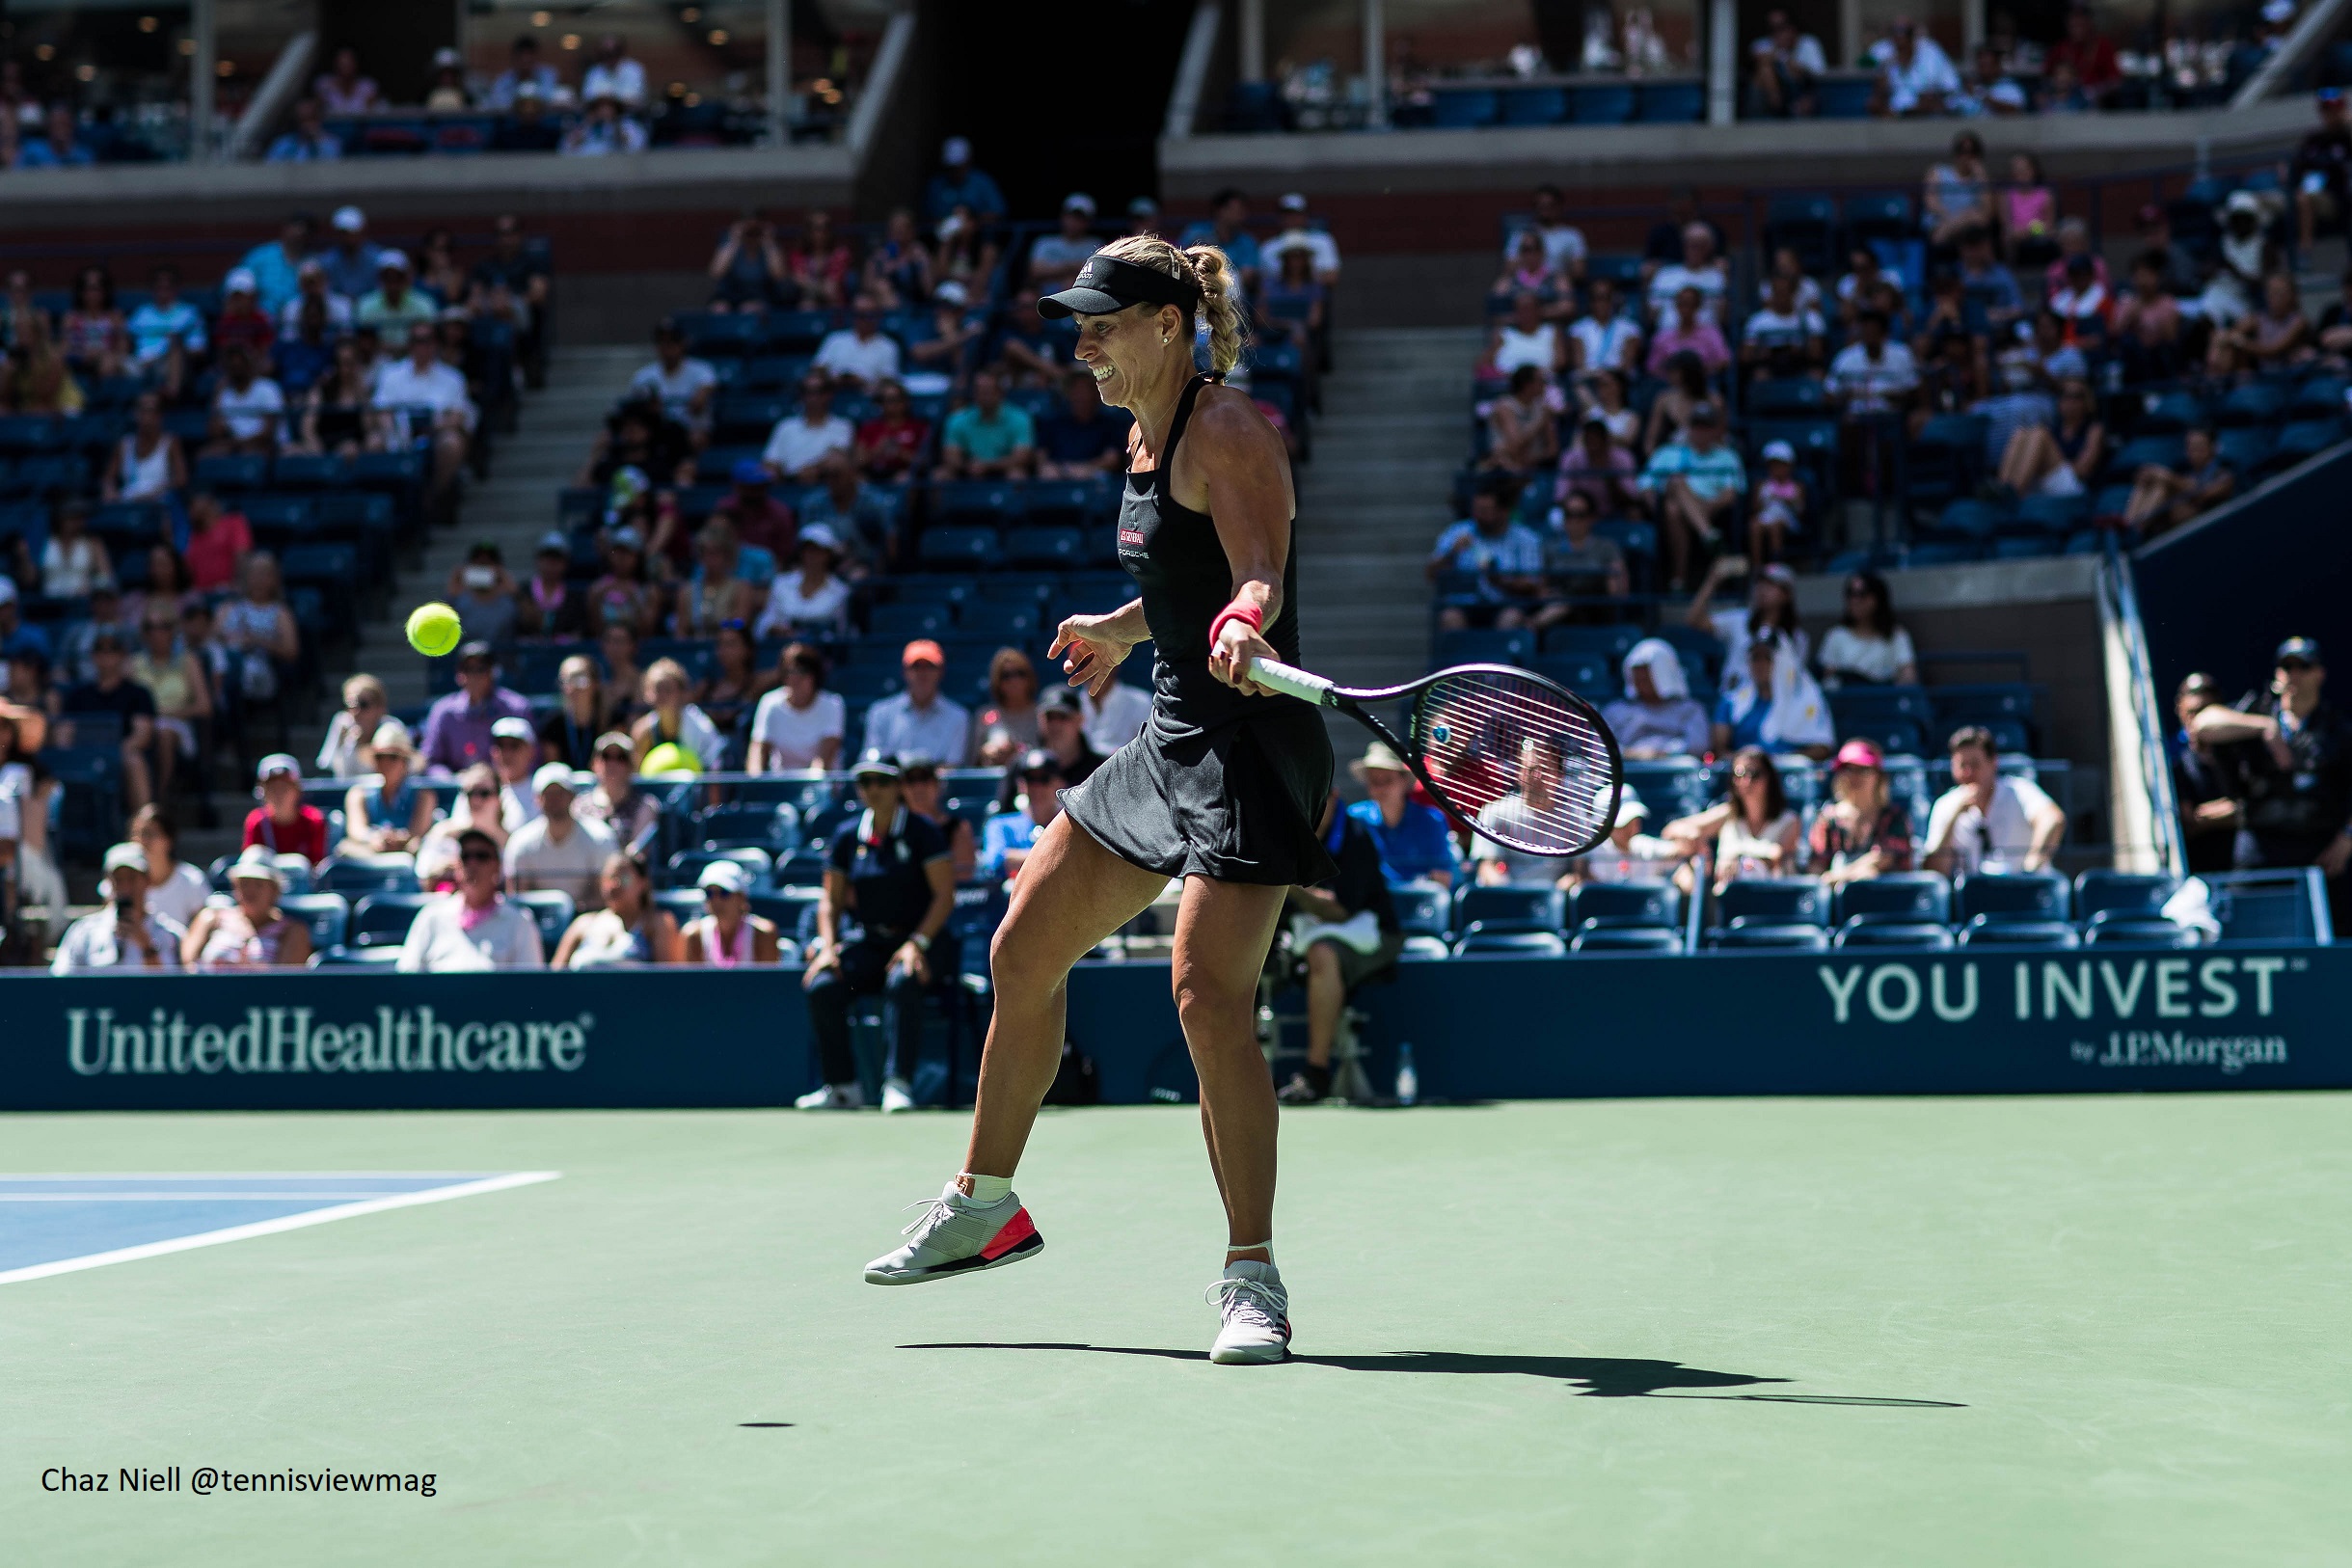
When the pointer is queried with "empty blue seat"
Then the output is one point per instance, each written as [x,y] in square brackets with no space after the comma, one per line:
[2048,515]
[1422,909]
[1534,106]
[551,910]
[2286,906]
[998,622]
[1991,930]
[1525,944]
[976,501]
[1623,905]
[1622,939]
[1587,674]
[2321,397]
[383,919]
[2257,402]
[2246,450]
[902,618]
[1046,547]
[2138,931]
[2305,438]
[2145,452]
[1882,215]
[1774,901]
[951,549]
[1671,103]
[2042,896]
[1505,907]
[306,470]
[1601,103]
[1492,646]
[2127,893]
[232,472]
[2169,413]
[1466,108]
[1800,938]
[768,824]
[325,913]
[1896,897]
[1902,934]
[1844,97]
[355,877]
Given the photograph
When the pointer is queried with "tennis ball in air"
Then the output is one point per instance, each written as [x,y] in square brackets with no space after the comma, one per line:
[670,759]
[433,629]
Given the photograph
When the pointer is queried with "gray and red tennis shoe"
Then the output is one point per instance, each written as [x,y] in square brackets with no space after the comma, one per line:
[955,1235]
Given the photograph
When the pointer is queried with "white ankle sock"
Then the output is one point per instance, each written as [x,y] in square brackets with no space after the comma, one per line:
[986,1189]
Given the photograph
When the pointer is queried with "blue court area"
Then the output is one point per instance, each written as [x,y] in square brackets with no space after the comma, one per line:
[57,1223]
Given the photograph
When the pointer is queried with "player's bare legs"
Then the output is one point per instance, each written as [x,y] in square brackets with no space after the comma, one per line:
[1071,893]
[1223,930]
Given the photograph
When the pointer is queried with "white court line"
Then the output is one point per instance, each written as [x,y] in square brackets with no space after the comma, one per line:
[269,1227]
[185,1194]
[217,1176]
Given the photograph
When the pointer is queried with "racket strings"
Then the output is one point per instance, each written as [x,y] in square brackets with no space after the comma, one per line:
[1515,757]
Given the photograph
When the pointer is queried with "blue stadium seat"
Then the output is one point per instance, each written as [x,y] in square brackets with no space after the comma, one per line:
[1807,225]
[551,910]
[2048,515]
[2169,413]
[1534,106]
[1670,787]
[325,913]
[1073,502]
[1789,397]
[1044,547]
[2143,451]
[1900,933]
[1671,103]
[1601,103]
[900,620]
[766,825]
[1492,646]
[2257,402]
[2247,451]
[1422,909]
[1898,897]
[1611,643]
[308,471]
[965,549]
[991,502]
[383,919]
[1525,944]
[356,877]
[2276,906]
[1587,674]
[2138,931]
[2305,439]
[1619,906]
[1506,909]
[1801,938]
[1844,97]
[2035,896]
[1466,108]
[1991,930]
[1008,623]
[2100,891]
[1774,901]
[1885,215]
[231,472]
[2321,397]
[1660,941]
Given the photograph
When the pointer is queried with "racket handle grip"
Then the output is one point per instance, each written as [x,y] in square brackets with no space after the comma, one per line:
[1291,682]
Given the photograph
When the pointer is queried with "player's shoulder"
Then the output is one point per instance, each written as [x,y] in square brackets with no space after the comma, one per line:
[1227,411]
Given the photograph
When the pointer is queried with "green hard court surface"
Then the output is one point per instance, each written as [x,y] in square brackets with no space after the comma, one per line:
[2066,1331]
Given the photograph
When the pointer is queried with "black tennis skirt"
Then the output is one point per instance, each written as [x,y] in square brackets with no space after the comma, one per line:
[1235,803]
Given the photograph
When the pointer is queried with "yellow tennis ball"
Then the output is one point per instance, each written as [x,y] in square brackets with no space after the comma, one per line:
[433,629]
[669,758]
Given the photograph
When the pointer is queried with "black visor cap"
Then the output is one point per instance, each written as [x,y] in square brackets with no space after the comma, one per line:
[1105,284]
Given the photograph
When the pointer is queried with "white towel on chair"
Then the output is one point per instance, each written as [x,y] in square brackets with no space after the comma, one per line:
[1359,933]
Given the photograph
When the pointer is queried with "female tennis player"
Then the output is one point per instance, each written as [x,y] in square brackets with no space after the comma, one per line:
[1221,788]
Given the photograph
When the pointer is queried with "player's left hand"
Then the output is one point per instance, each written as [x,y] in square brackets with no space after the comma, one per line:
[1230,660]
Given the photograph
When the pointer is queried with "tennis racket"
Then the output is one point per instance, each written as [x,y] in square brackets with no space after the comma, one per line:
[1515,758]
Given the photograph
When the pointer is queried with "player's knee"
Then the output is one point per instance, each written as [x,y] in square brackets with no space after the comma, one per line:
[1205,998]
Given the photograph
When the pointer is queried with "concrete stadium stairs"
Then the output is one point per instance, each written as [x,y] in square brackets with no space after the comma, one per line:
[1372,502]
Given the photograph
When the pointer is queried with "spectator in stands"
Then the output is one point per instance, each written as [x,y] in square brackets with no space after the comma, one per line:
[670,719]
[113,691]
[1343,934]
[1294,304]
[556,849]
[919,781]
[569,733]
[1687,387]
[38,380]
[396,303]
[737,682]
[303,357]
[175,682]
[92,336]
[336,419]
[1655,718]
[1772,702]
[174,889]
[247,409]
[514,757]
[987,438]
[148,463]
[1988,821]
[727,934]
[259,630]
[1528,270]
[1958,194]
[1539,778]
[812,599]
[59,146]
[548,606]
[1506,555]
[614,74]
[1143,218]
[797,445]
[1605,340]
[889,889]
[421,382]
[1862,832]
[2061,457]
[2290,751]
[1525,337]
[819,263]
[1007,725]
[2149,324]
[166,585]
[125,933]
[1118,716]
[308,140]
[797,725]
[1770,611]
[349,734]
[898,271]
[350,263]
[1695,481]
[1950,348]
[166,333]
[919,718]
[2204,785]
[1228,229]
[2269,338]
[862,522]
[1701,267]
[861,357]
[1868,647]
[2087,53]
[1079,440]
[945,356]
[603,131]
[626,927]
[622,599]
[2082,304]
[748,271]
[751,510]
[313,287]
[392,813]
[1054,259]
[1601,471]
[1412,839]
[74,662]
[457,728]
[1563,241]
[1780,506]
[476,926]
[483,593]
[253,932]
[632,816]
[1688,328]
[1752,834]
[1298,234]
[512,284]
[1785,67]
[1783,337]
[449,94]
[722,588]
[74,561]
[342,91]
[2246,257]
[1603,397]
[220,549]
[524,68]
[959,184]
[1062,731]
[889,446]
[16,636]
[479,807]
[1916,76]
[2321,167]
[1580,563]
[1011,834]
[284,823]
[2163,498]
[1874,381]
[684,384]
[1522,435]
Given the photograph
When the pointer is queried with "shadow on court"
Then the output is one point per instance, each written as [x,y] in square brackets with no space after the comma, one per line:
[1605,1377]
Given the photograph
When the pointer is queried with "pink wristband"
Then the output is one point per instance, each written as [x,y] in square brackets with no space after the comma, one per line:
[1249,615]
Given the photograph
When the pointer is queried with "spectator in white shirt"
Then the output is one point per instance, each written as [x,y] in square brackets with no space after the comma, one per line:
[1700,268]
[1605,338]
[863,356]
[1563,241]
[248,410]
[422,382]
[685,385]
[814,599]
[1873,375]
[1987,822]
[614,74]
[1915,75]
[1868,647]
[1296,236]
[125,933]
[514,755]
[799,725]
[919,718]
[1055,258]
[797,445]
[558,850]
[1117,717]
[476,928]
[311,281]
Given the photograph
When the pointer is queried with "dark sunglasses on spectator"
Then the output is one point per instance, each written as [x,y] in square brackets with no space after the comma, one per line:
[720,893]
[473,857]
[479,794]
[160,626]
[2293,664]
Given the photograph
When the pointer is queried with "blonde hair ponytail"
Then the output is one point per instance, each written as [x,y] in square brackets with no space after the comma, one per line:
[1212,270]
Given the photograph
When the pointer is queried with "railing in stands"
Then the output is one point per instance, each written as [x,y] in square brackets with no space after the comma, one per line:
[2140,709]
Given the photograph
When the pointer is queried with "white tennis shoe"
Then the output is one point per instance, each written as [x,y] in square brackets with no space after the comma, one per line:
[848,1096]
[955,1235]
[896,1096]
[1256,1313]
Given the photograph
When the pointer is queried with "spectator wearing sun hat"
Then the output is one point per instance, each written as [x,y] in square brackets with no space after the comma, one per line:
[283,822]
[244,319]
[125,933]
[1412,839]
[919,718]
[1297,236]
[1863,831]
[253,932]
[957,183]
[395,304]
[560,849]
[476,926]
[727,934]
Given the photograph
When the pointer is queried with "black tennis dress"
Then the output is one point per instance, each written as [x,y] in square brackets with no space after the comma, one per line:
[1219,784]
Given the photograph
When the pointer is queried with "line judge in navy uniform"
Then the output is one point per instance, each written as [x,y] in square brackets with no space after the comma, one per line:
[889,888]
